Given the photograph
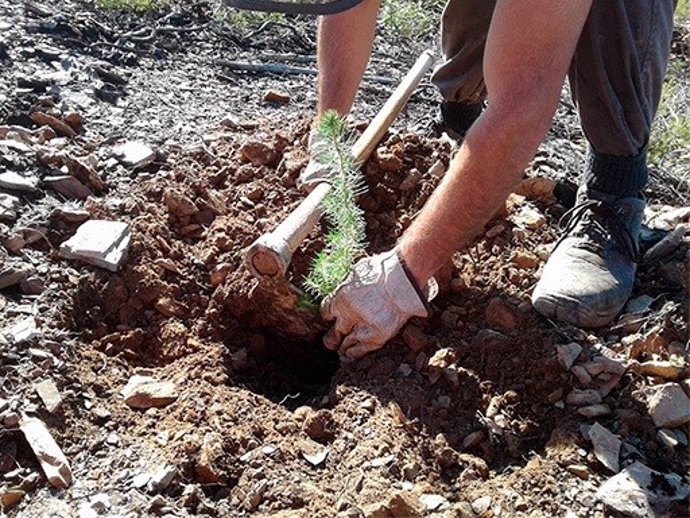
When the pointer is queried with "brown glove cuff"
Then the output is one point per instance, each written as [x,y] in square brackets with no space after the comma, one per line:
[431,288]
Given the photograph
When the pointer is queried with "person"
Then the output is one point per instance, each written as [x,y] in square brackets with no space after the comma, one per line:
[501,77]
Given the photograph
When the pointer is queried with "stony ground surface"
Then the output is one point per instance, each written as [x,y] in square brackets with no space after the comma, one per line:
[180,386]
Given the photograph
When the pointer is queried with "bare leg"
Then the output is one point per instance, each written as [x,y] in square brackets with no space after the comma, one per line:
[344,47]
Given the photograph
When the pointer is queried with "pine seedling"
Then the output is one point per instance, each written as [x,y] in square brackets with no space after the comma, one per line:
[345,241]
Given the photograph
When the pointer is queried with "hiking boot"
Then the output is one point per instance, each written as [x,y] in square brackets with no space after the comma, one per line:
[455,119]
[591,271]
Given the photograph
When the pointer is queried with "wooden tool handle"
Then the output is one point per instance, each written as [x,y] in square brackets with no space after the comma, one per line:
[270,254]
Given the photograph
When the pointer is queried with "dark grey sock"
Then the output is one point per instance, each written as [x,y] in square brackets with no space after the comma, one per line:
[458,116]
[617,175]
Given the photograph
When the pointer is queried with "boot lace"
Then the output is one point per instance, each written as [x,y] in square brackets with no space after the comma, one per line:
[600,224]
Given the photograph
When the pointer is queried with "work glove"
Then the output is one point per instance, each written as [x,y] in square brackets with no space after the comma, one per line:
[372,304]
[317,169]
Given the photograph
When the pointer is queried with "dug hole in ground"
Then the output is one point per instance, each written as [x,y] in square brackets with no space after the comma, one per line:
[178,385]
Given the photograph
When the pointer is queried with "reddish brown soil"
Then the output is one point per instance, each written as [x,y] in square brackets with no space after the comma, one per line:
[257,389]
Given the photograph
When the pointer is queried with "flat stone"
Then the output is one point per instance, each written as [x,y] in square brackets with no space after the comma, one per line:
[16,182]
[23,331]
[667,437]
[276,96]
[482,504]
[663,369]
[433,502]
[528,217]
[49,394]
[9,205]
[640,492]
[15,145]
[669,406]
[147,392]
[415,338]
[134,154]
[49,455]
[583,397]
[98,242]
[594,411]
[68,186]
[12,275]
[567,354]
[639,304]
[60,127]
[607,447]
[70,215]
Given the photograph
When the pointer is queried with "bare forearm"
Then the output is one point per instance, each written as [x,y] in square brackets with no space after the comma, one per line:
[344,47]
[486,168]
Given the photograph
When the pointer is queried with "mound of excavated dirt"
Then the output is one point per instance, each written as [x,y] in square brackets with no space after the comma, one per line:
[465,405]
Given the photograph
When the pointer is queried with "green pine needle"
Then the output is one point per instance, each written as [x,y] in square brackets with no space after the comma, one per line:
[345,241]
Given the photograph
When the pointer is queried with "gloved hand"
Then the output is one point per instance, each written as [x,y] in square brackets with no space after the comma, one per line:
[372,304]
[317,169]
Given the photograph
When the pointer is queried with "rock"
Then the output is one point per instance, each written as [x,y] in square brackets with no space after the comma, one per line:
[579,471]
[11,419]
[668,370]
[439,362]
[582,375]
[11,275]
[567,354]
[387,161]
[432,502]
[178,203]
[415,338]
[494,231]
[134,154]
[669,219]
[147,392]
[85,173]
[594,411]
[70,215]
[607,447]
[23,331]
[537,188]
[669,406]
[666,246]
[68,186]
[14,182]
[640,492]
[583,397]
[482,504]
[49,394]
[161,479]
[500,315]
[49,455]
[473,440]
[317,458]
[528,217]
[437,169]
[9,205]
[411,180]
[320,426]
[639,304]
[259,153]
[276,96]
[205,467]
[524,260]
[99,242]
[10,496]
[62,129]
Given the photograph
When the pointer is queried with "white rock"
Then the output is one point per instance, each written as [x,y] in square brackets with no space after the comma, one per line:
[639,492]
[49,394]
[49,455]
[669,406]
[607,447]
[316,458]
[9,205]
[433,502]
[482,504]
[134,154]
[99,242]
[147,392]
[568,353]
[23,331]
[161,479]
[15,182]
